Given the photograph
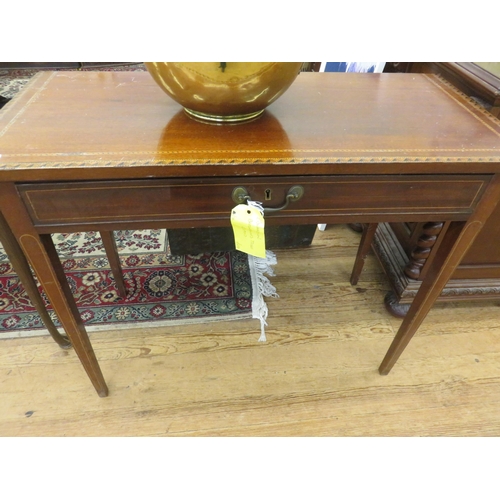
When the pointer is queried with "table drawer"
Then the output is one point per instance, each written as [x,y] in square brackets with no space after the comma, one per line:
[205,199]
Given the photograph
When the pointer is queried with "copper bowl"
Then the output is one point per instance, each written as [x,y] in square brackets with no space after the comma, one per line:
[224,92]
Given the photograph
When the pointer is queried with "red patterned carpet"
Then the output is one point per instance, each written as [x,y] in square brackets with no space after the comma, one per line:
[161,288]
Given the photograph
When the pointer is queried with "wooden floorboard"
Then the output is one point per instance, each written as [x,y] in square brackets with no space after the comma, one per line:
[316,375]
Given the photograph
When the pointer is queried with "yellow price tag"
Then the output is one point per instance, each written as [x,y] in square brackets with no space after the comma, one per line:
[248,227]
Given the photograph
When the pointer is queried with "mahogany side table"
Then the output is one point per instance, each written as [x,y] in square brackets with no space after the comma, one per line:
[105,151]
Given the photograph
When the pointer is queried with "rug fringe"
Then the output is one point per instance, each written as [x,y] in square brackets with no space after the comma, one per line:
[262,287]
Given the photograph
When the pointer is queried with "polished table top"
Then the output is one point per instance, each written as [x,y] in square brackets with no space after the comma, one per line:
[107,150]
[326,123]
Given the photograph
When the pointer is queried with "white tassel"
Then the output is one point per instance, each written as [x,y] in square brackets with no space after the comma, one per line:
[262,287]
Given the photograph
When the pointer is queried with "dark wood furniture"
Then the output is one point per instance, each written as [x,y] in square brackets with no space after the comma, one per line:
[105,151]
[404,248]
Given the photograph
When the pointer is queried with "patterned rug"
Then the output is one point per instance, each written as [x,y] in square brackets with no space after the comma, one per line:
[162,289]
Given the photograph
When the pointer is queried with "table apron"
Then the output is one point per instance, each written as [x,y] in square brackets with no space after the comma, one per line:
[189,202]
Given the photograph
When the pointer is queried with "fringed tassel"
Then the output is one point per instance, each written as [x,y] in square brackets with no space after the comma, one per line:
[262,287]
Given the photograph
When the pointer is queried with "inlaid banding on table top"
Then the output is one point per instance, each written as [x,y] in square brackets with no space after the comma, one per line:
[288,151]
[247,161]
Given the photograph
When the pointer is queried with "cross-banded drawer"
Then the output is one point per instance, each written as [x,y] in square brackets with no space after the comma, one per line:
[327,198]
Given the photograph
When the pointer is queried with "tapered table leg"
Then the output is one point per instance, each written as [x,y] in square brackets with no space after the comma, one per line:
[457,240]
[109,243]
[363,249]
[42,255]
[423,301]
[23,271]
[63,302]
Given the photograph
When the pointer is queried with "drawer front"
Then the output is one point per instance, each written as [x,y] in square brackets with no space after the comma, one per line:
[325,197]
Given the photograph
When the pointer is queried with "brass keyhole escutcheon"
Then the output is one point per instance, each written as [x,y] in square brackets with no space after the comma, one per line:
[267,195]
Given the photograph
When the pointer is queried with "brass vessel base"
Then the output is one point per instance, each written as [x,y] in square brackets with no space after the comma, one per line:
[205,117]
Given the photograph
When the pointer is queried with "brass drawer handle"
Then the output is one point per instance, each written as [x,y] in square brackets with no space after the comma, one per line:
[240,195]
